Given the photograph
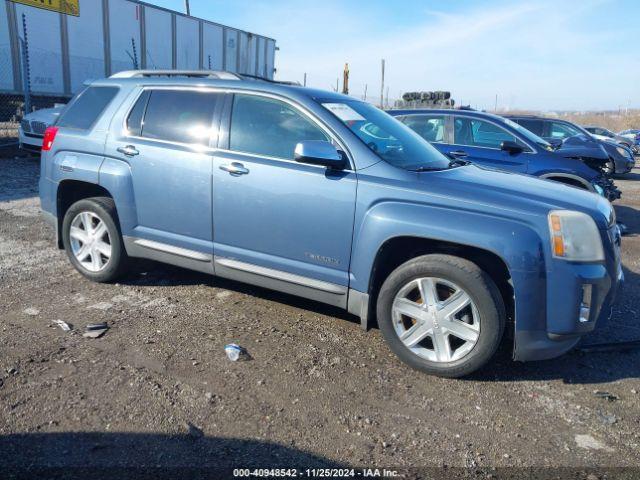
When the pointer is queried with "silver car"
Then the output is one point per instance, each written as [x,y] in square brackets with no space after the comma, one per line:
[33,125]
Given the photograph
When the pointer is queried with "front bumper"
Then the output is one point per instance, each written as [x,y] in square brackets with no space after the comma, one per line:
[565,295]
[29,141]
[604,186]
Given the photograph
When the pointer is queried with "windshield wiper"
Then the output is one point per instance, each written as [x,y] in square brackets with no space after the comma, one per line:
[458,162]
[425,168]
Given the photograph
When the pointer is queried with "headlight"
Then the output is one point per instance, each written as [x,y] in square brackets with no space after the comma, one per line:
[575,236]
[623,151]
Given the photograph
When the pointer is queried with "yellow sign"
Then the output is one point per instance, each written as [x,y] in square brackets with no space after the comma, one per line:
[68,7]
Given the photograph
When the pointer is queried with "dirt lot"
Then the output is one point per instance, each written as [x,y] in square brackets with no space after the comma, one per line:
[157,391]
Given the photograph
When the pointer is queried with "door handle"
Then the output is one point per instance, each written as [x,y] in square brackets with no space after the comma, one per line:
[129,150]
[234,168]
[458,154]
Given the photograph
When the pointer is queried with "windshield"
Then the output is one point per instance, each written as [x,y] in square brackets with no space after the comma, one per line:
[529,135]
[388,138]
[578,129]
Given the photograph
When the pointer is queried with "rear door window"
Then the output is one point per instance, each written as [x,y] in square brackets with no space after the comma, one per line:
[429,127]
[87,107]
[270,127]
[183,116]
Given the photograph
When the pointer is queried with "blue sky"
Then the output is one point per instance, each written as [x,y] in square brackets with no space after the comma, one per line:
[534,54]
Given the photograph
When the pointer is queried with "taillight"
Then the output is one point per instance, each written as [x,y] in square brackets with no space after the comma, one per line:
[49,137]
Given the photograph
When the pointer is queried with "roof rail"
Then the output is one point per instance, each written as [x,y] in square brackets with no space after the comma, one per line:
[268,80]
[219,74]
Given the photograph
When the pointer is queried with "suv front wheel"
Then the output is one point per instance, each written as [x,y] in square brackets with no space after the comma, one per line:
[92,239]
[441,314]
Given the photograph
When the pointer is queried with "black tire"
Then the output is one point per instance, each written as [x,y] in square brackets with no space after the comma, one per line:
[105,209]
[478,285]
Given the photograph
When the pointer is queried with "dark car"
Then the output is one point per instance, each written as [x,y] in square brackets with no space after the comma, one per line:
[497,142]
[621,159]
[602,133]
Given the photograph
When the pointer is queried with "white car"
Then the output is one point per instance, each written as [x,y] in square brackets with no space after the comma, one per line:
[33,125]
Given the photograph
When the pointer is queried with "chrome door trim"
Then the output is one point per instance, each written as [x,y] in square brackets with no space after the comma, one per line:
[182,252]
[280,275]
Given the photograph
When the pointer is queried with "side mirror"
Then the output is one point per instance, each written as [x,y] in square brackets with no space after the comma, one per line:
[319,152]
[511,147]
[555,142]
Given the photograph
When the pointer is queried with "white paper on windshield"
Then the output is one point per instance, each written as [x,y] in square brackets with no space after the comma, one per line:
[343,111]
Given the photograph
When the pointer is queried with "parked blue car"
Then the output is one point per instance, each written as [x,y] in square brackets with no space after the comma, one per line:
[326,197]
[493,141]
[565,133]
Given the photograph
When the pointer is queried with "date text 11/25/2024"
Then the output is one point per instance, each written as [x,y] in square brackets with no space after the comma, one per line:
[316,472]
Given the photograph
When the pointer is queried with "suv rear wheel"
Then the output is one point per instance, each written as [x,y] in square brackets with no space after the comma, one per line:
[92,239]
[441,314]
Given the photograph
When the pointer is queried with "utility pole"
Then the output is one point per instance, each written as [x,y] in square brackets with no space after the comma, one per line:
[495,109]
[337,84]
[187,10]
[365,92]
[304,81]
[345,79]
[382,86]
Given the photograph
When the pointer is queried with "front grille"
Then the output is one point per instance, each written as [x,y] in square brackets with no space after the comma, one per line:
[25,126]
[38,127]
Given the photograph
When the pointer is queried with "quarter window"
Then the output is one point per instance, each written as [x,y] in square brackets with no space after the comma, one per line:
[87,107]
[134,122]
[478,133]
[269,127]
[535,126]
[176,116]
[431,128]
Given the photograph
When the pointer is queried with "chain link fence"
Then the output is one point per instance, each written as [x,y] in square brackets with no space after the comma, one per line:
[16,94]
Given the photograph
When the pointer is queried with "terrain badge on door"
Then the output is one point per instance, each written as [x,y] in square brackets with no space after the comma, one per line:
[322,258]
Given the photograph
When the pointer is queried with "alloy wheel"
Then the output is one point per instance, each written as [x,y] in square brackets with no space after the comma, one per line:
[436,319]
[90,241]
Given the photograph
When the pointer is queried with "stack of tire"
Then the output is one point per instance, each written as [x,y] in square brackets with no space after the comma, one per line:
[439,99]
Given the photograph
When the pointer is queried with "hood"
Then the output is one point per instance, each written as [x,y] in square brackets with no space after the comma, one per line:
[522,195]
[46,115]
[583,146]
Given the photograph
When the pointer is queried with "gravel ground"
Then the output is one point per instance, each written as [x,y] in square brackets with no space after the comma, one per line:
[157,391]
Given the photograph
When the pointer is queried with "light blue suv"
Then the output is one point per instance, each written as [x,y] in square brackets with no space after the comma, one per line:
[326,197]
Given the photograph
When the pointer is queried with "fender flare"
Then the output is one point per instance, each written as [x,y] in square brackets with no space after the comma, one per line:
[569,176]
[516,242]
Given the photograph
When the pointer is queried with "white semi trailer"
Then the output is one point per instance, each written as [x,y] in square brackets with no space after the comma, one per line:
[113,35]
